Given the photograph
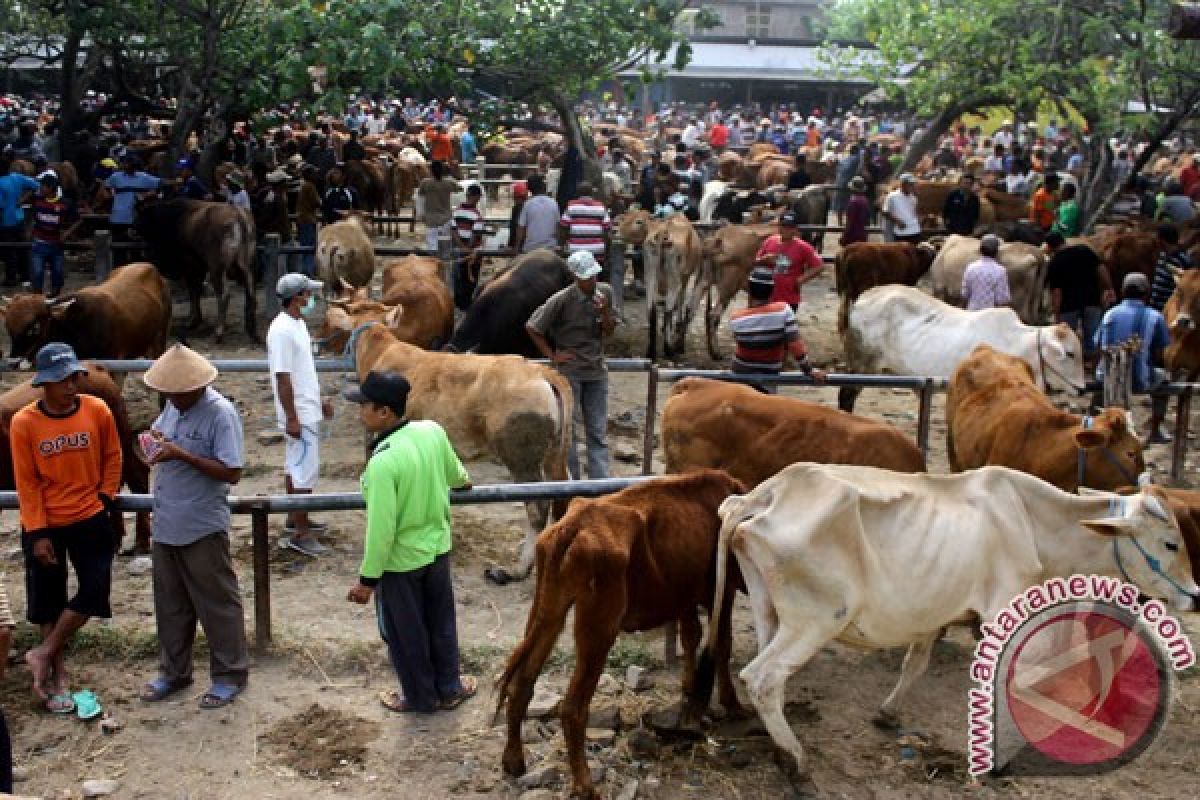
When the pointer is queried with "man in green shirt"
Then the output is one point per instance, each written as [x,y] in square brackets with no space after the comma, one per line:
[406,555]
[1066,219]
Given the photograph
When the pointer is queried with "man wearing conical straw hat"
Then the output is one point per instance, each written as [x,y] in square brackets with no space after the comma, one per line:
[196,448]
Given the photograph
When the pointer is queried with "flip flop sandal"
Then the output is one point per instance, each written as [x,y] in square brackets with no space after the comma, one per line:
[87,705]
[160,689]
[393,700]
[61,703]
[470,685]
[220,695]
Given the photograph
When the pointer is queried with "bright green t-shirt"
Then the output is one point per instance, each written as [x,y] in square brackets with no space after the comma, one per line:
[1067,221]
[406,485]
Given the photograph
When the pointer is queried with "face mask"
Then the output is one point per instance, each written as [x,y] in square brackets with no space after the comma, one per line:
[309,306]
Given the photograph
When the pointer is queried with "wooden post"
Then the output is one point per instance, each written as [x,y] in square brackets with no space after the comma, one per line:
[1184,21]
[924,414]
[262,574]
[102,241]
[1183,413]
[271,274]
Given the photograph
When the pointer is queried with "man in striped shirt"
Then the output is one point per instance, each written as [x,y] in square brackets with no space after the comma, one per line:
[467,230]
[764,332]
[585,225]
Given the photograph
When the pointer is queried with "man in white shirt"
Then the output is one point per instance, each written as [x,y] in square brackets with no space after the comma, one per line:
[901,223]
[1004,136]
[691,134]
[537,226]
[298,402]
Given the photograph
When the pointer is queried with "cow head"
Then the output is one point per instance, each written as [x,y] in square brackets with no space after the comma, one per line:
[1060,360]
[344,315]
[1187,304]
[27,318]
[1148,547]
[1121,461]
[634,226]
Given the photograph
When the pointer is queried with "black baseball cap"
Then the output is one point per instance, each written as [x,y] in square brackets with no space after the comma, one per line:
[389,389]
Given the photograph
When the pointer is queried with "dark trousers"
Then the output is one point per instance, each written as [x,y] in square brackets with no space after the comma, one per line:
[416,620]
[14,258]
[6,776]
[196,582]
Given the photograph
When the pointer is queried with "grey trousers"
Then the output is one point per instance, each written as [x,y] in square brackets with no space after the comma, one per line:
[196,582]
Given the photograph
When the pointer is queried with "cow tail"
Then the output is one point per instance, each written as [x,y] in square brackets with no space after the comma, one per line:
[566,414]
[733,511]
[842,281]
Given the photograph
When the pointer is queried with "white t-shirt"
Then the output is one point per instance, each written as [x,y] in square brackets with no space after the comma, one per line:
[1003,137]
[376,125]
[289,349]
[904,208]
[540,218]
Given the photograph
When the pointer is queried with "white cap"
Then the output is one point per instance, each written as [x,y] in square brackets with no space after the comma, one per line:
[294,283]
[583,265]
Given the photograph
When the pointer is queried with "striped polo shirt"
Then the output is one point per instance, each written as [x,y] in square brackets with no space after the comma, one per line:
[468,222]
[761,335]
[586,221]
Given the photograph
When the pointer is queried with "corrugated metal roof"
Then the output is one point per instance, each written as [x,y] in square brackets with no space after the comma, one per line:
[763,62]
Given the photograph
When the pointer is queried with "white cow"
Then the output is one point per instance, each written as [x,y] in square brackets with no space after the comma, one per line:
[828,552]
[902,330]
[1024,263]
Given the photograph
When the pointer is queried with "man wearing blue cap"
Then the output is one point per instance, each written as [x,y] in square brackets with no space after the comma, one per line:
[406,562]
[191,186]
[67,468]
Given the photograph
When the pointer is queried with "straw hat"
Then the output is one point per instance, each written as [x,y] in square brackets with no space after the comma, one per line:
[180,370]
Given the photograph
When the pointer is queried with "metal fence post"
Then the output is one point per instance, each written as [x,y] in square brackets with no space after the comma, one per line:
[480,168]
[616,273]
[102,241]
[1183,413]
[924,414]
[270,254]
[262,576]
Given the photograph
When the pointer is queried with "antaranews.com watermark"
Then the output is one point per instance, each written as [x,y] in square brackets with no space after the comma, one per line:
[1073,677]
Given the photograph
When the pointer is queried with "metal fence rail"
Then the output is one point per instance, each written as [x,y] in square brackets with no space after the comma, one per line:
[260,507]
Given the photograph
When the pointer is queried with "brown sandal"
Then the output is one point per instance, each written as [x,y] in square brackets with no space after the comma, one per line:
[393,700]
[470,685]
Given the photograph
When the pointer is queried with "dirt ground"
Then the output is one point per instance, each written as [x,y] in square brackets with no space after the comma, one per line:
[310,724]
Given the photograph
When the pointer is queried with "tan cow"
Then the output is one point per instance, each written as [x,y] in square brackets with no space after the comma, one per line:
[728,259]
[417,307]
[513,410]
[1182,313]
[1024,263]
[995,414]
[345,255]
[752,435]
[674,257]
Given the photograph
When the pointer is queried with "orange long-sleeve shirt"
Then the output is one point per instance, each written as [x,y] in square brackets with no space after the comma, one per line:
[63,464]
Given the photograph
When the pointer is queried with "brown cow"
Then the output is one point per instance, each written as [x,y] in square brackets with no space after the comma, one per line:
[632,561]
[1185,505]
[1124,253]
[995,414]
[516,411]
[753,436]
[136,475]
[371,181]
[865,265]
[1182,313]
[126,316]
[193,239]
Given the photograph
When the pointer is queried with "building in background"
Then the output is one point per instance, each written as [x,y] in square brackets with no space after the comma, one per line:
[763,51]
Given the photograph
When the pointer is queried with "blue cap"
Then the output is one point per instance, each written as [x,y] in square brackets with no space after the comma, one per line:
[56,362]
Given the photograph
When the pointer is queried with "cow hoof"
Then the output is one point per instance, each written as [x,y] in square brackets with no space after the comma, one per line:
[803,787]
[498,576]
[513,765]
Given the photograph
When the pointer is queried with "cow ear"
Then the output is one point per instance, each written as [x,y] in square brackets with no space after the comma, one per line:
[1116,526]
[392,318]
[1061,331]
[1090,438]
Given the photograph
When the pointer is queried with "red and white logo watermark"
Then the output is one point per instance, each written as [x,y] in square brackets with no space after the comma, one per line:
[1074,677]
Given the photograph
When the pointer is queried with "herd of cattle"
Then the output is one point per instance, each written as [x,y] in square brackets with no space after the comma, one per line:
[837,531]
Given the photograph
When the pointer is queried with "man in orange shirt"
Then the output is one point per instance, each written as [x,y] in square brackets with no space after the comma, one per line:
[67,468]
[1044,204]
[440,146]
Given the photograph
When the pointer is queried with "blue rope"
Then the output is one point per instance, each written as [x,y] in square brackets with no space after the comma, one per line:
[1152,562]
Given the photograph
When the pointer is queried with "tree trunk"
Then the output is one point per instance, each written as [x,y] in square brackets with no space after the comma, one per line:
[938,127]
[583,142]
[1097,189]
